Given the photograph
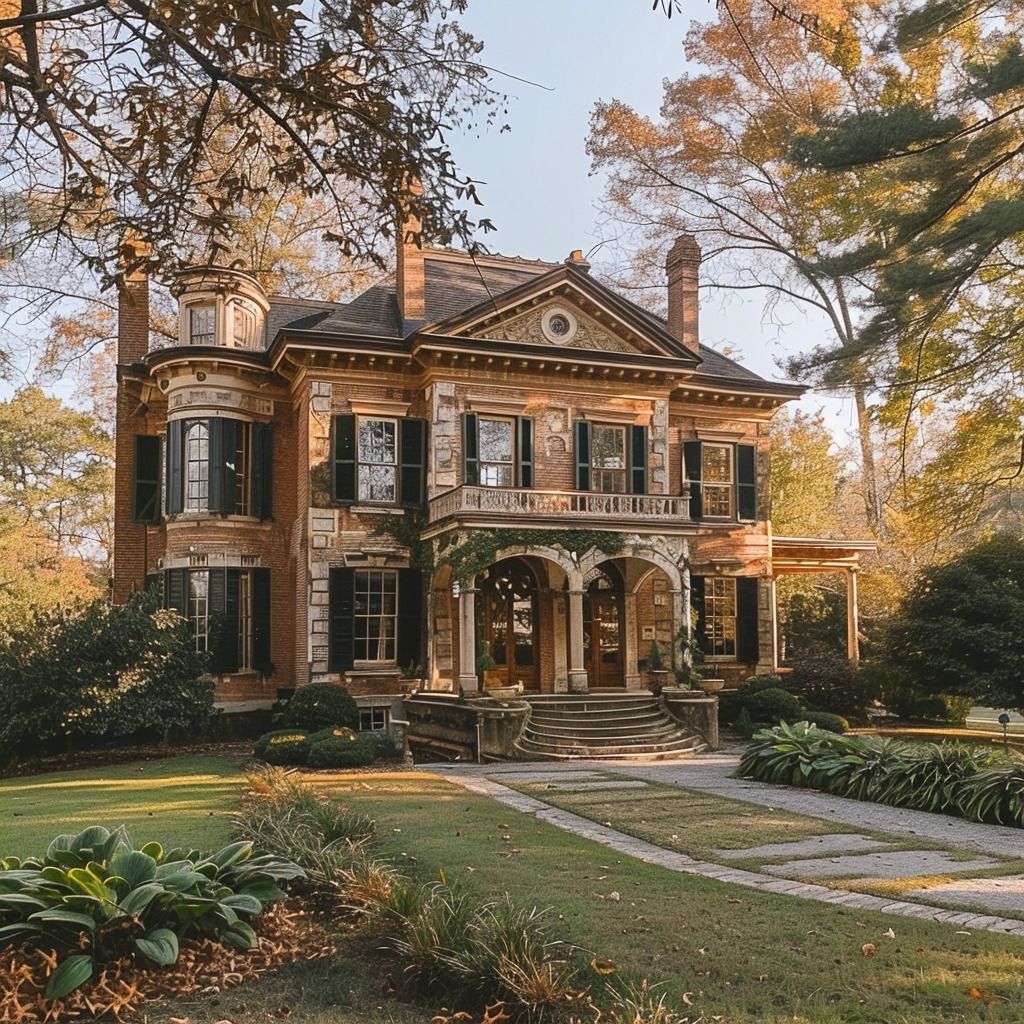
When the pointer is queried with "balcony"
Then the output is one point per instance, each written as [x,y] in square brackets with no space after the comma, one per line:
[507,504]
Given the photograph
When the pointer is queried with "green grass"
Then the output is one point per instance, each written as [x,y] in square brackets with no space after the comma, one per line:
[176,801]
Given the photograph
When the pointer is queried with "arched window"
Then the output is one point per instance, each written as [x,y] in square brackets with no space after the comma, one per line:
[244,326]
[197,466]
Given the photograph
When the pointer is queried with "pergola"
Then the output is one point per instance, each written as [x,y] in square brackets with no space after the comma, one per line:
[792,555]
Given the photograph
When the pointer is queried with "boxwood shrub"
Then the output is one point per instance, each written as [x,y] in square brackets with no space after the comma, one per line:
[321,706]
[341,748]
[827,721]
[283,746]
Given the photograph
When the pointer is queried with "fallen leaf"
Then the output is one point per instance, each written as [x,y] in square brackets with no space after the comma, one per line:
[687,998]
[615,897]
[869,949]
[890,934]
[975,993]
[603,966]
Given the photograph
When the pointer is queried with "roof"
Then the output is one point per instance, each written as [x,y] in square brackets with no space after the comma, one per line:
[455,282]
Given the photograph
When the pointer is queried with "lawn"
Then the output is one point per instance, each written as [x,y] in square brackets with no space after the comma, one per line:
[743,956]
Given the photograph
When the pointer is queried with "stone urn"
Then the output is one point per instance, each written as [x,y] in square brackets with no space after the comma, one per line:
[711,685]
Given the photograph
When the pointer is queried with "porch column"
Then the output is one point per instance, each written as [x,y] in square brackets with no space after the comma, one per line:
[468,681]
[577,671]
[634,681]
[681,626]
[852,639]
[559,609]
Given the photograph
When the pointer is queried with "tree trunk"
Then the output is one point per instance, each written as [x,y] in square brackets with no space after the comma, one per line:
[869,475]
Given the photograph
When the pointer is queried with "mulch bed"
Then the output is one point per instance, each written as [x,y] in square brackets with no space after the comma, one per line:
[103,756]
[286,933]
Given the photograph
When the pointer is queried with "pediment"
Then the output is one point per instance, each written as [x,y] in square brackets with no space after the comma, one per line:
[566,309]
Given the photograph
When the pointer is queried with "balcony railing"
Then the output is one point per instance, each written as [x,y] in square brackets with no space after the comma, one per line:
[589,505]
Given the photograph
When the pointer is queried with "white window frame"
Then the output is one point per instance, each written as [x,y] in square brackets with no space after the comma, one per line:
[385,642]
[361,464]
[601,473]
[723,487]
[718,592]
[498,465]
[198,604]
[206,337]
[374,713]
[196,469]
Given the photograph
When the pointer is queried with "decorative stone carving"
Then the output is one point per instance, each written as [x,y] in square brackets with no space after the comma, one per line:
[529,328]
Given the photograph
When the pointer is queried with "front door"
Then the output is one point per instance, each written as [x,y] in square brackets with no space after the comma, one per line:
[604,633]
[508,626]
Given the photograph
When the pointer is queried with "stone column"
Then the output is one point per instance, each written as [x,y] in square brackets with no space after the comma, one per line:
[559,600]
[468,681]
[852,638]
[577,670]
[681,626]
[631,665]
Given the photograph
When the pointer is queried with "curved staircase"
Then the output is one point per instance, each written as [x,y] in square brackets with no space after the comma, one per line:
[603,726]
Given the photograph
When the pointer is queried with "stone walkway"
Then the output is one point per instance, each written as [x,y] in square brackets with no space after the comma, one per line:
[836,855]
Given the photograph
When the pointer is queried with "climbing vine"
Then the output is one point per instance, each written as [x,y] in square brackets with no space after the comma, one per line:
[480,548]
[407,530]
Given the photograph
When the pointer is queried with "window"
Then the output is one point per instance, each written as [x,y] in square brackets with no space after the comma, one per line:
[202,329]
[608,459]
[197,466]
[378,460]
[198,612]
[720,616]
[241,468]
[497,452]
[717,476]
[373,719]
[244,621]
[244,326]
[376,614]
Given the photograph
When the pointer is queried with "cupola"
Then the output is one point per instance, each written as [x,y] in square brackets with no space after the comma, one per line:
[221,306]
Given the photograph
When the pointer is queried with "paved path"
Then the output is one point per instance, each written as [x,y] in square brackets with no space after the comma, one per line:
[712,774]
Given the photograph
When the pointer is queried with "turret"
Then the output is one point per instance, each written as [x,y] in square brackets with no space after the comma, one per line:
[221,306]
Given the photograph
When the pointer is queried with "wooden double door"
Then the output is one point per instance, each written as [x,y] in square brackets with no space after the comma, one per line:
[604,631]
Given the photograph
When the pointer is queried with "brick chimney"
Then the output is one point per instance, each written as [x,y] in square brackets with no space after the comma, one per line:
[409,271]
[133,304]
[681,267]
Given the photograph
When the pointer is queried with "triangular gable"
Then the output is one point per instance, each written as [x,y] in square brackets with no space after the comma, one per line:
[533,313]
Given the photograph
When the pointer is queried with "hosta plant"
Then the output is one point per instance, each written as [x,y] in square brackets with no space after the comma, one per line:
[95,896]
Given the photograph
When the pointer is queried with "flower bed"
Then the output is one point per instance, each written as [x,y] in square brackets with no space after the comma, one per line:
[979,783]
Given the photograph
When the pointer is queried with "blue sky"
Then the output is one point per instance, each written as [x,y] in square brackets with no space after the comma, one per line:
[537,186]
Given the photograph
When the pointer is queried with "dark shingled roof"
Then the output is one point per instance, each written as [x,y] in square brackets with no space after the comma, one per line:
[452,286]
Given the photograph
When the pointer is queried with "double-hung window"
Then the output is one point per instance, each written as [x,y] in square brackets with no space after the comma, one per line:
[497,451]
[244,621]
[373,719]
[197,466]
[717,477]
[608,459]
[378,459]
[720,616]
[198,608]
[375,618]
[202,325]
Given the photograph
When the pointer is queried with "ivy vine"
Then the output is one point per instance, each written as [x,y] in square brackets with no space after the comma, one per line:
[407,530]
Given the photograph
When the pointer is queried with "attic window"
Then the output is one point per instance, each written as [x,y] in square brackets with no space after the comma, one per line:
[559,326]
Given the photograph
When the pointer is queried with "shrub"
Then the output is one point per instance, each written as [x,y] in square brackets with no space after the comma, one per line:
[732,702]
[341,748]
[283,746]
[826,681]
[386,745]
[100,672]
[827,721]
[774,706]
[911,704]
[95,897]
[321,706]
[995,794]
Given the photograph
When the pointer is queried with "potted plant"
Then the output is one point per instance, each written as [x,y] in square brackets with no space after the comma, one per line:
[656,671]
[413,678]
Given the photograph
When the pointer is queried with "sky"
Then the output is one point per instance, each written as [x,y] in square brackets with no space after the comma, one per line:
[536,179]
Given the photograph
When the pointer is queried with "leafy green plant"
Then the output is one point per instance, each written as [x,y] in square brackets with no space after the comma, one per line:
[995,794]
[655,658]
[826,681]
[934,773]
[732,702]
[788,754]
[827,721]
[341,748]
[774,706]
[283,746]
[321,706]
[95,896]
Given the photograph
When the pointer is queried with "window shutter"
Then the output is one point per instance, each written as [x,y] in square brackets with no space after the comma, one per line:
[175,467]
[223,612]
[691,472]
[638,459]
[343,458]
[470,449]
[746,481]
[412,446]
[342,610]
[525,431]
[697,606]
[746,620]
[223,453]
[261,621]
[581,429]
[261,501]
[146,479]
[175,589]
[409,642]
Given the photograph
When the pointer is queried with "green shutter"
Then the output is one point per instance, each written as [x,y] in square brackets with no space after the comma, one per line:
[581,431]
[525,446]
[261,621]
[692,472]
[746,620]
[176,590]
[412,447]
[746,481]
[342,611]
[223,617]
[175,467]
[409,642]
[223,496]
[697,606]
[261,502]
[146,479]
[343,458]
[470,449]
[638,459]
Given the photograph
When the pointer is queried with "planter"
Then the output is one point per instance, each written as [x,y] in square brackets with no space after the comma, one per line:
[502,692]
[711,685]
[657,679]
[682,693]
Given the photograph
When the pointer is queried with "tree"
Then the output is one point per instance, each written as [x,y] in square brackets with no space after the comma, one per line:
[164,119]
[961,629]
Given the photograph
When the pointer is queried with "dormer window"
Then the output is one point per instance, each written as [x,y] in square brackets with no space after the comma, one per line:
[202,325]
